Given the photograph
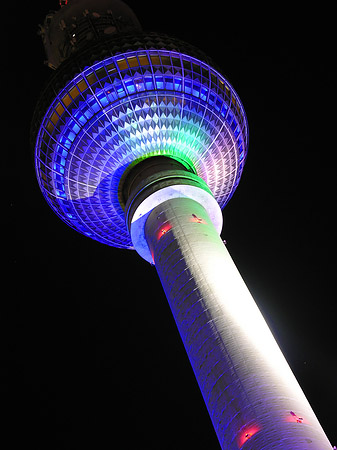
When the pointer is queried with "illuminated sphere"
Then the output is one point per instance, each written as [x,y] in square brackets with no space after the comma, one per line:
[119,101]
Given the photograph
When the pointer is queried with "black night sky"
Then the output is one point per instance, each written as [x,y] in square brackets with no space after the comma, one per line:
[91,352]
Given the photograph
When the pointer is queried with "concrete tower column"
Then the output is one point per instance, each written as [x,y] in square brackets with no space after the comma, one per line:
[251,394]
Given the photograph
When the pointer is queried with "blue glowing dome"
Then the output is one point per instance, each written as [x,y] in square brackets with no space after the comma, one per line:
[126,99]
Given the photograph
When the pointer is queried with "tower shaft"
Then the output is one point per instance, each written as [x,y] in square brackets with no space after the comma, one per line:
[251,394]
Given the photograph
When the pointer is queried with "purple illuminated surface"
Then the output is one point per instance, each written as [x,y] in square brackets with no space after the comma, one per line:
[127,108]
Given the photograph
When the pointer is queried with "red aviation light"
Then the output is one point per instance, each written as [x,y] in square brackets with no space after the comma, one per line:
[247,433]
[197,219]
[163,230]
[293,417]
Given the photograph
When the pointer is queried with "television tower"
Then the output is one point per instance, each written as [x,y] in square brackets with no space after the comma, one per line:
[139,143]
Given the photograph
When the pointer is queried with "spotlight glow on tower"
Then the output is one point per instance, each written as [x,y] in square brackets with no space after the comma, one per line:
[139,141]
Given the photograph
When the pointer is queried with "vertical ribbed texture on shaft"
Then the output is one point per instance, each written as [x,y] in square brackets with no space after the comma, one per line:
[252,397]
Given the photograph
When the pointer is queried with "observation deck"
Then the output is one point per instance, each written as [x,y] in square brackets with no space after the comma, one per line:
[125,99]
